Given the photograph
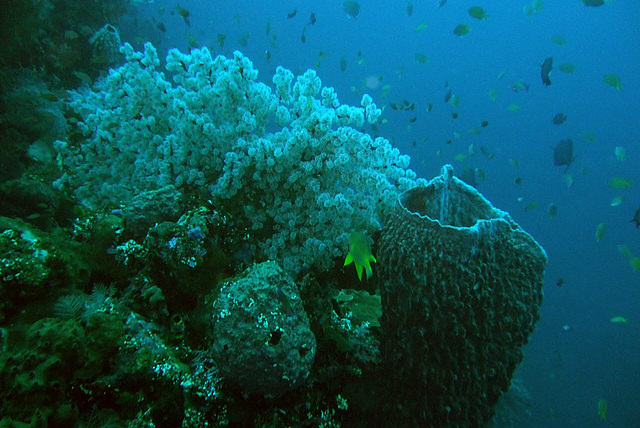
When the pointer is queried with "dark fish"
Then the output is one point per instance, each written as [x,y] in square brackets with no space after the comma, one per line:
[343,64]
[563,154]
[292,13]
[469,176]
[545,71]
[409,8]
[559,119]
[442,3]
[636,218]
[185,14]
[161,27]
[351,8]
[303,37]
[447,97]
[484,124]
[560,282]
[220,38]
[312,18]
[486,152]
[454,115]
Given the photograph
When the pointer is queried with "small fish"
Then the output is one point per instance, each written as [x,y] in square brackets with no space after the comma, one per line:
[486,152]
[624,250]
[514,108]
[534,8]
[420,27]
[560,282]
[600,229]
[613,80]
[589,136]
[563,154]
[636,218]
[595,3]
[619,320]
[620,183]
[520,86]
[635,263]
[531,206]
[617,201]
[545,71]
[447,96]
[409,8]
[243,39]
[603,406]
[455,101]
[568,180]
[620,153]
[185,14]
[501,75]
[360,254]
[493,95]
[442,3]
[343,63]
[312,18]
[484,123]
[220,38]
[567,68]
[292,13]
[552,210]
[421,58]
[351,8]
[477,12]
[559,119]
[461,30]
[559,40]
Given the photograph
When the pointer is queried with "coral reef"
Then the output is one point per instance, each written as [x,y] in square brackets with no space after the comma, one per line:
[304,187]
[262,340]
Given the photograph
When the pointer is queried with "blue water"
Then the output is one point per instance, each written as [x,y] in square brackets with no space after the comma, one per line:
[566,372]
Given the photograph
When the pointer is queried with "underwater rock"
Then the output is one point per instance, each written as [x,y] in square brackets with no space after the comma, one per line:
[263,341]
[151,207]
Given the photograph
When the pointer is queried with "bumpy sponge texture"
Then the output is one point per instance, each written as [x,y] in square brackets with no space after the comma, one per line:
[461,287]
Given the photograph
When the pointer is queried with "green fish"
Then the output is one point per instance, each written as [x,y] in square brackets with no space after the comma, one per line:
[619,320]
[559,40]
[620,183]
[613,80]
[461,30]
[567,67]
[603,406]
[477,12]
[600,229]
[360,254]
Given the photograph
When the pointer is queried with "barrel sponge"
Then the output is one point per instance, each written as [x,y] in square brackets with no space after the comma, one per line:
[263,343]
[461,286]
